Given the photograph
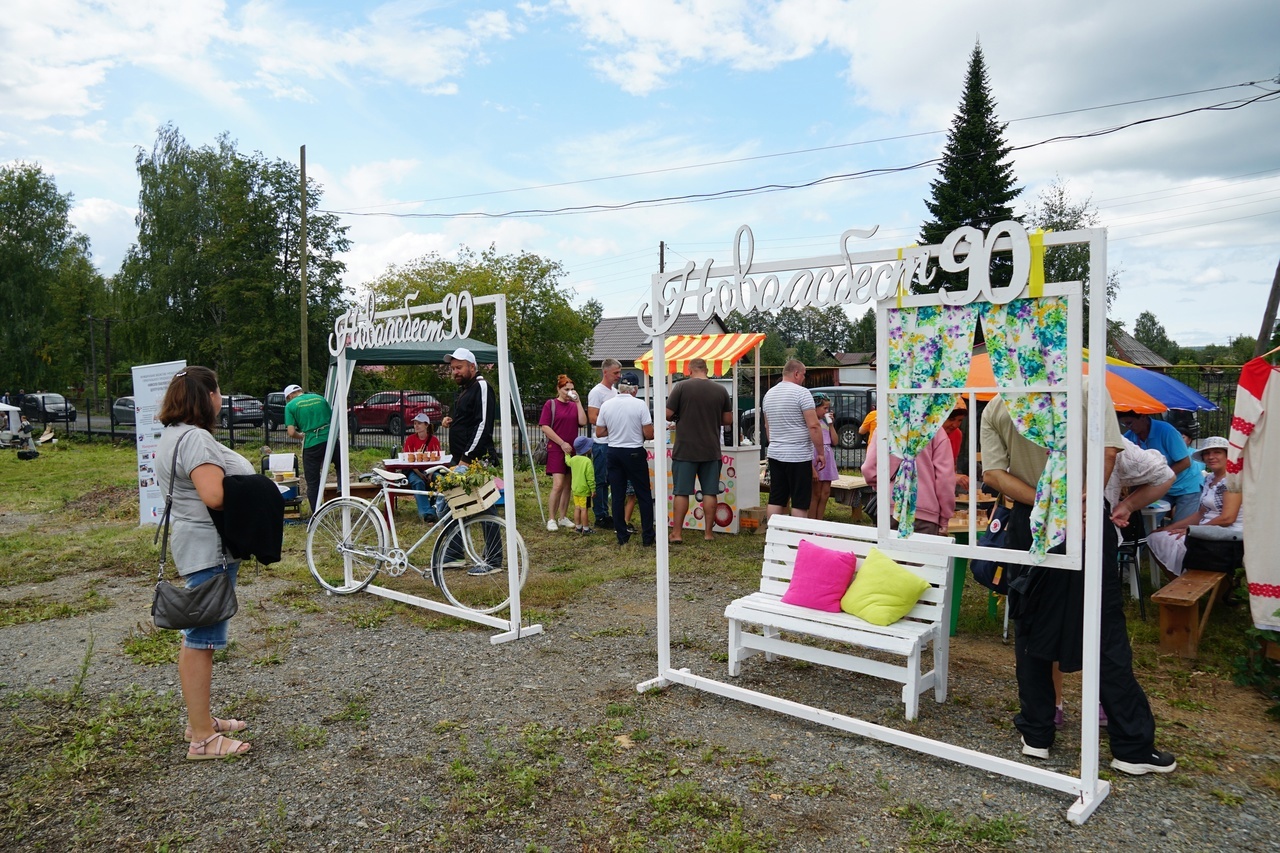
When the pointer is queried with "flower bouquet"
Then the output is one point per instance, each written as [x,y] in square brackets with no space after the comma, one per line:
[469,489]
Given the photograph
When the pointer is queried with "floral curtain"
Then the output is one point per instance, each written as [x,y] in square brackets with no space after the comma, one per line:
[1027,344]
[929,347]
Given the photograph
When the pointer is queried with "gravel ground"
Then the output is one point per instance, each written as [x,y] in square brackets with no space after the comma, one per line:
[376,727]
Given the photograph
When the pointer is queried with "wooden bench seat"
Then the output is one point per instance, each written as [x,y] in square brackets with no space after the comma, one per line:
[1181,622]
[926,624]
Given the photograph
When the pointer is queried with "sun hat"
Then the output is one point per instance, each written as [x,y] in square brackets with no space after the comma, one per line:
[461,354]
[1213,442]
[582,445]
[423,417]
[289,389]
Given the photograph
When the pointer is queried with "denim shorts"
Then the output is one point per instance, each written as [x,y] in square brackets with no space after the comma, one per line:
[208,636]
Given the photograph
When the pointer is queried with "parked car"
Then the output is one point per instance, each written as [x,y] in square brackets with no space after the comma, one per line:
[123,411]
[47,408]
[274,410]
[849,405]
[240,409]
[391,410]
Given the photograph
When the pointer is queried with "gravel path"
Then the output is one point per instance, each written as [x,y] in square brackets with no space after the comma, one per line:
[374,727]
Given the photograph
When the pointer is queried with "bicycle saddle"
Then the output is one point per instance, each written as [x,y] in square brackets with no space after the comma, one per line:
[391,477]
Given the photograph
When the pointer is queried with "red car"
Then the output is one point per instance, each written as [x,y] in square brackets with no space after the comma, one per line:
[390,411]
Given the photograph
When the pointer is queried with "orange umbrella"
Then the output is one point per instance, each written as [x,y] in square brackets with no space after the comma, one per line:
[1124,394]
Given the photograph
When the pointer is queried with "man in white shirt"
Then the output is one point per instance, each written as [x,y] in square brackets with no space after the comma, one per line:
[610,372]
[793,431]
[627,424]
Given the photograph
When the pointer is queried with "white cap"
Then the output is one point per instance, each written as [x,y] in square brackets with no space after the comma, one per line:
[461,354]
[289,389]
[422,416]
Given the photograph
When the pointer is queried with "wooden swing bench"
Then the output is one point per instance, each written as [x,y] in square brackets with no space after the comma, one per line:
[927,623]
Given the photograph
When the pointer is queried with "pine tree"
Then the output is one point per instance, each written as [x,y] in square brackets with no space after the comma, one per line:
[975,184]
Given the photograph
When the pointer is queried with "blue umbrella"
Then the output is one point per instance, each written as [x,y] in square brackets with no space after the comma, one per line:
[1166,389]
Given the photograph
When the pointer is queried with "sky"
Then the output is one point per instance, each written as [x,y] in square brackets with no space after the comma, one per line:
[427,110]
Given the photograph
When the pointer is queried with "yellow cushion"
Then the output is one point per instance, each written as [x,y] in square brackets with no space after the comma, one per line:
[882,591]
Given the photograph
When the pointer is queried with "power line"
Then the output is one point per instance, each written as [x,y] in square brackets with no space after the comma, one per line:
[1225,106]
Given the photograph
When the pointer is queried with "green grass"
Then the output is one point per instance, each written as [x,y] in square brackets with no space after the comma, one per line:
[940,829]
[38,609]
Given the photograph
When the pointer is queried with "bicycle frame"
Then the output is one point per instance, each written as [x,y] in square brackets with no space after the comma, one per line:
[382,502]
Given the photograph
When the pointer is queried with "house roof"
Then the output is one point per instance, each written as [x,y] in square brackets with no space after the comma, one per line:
[622,338]
[854,359]
[1127,347]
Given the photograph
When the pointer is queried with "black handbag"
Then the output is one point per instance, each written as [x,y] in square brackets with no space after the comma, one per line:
[540,445]
[1213,550]
[177,607]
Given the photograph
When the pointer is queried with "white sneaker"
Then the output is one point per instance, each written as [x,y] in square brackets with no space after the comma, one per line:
[1035,751]
[564,522]
[551,526]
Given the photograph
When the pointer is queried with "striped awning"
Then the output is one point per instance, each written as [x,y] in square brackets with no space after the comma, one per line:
[720,351]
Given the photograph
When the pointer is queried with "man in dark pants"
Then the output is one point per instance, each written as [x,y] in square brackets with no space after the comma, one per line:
[626,422]
[603,392]
[470,430]
[307,417]
[1048,608]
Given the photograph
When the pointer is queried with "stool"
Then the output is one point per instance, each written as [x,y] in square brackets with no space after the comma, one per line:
[1151,516]
[1181,623]
[1129,559]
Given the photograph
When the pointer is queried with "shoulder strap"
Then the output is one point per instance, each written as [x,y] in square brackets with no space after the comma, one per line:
[168,504]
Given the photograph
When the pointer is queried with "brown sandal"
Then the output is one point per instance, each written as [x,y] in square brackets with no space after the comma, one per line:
[216,745]
[221,727]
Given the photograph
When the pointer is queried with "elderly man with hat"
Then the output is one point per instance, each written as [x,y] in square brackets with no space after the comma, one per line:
[307,416]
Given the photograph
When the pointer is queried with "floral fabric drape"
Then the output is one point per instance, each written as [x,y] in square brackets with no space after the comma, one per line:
[1027,344]
[929,347]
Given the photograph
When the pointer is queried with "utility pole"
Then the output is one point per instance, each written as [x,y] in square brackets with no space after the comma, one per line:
[662,256]
[93,363]
[106,322]
[1269,317]
[302,261]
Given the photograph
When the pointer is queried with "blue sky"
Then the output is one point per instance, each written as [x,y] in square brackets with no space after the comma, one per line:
[447,107]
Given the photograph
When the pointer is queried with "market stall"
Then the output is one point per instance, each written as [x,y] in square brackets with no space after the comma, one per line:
[740,461]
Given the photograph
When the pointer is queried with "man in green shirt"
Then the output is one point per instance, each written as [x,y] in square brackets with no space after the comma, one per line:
[307,416]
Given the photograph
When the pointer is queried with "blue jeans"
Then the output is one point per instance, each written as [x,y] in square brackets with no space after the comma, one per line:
[600,461]
[426,504]
[208,636]
[1184,505]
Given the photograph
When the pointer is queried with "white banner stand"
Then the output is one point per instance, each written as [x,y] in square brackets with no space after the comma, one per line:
[447,321]
[884,277]
[150,382]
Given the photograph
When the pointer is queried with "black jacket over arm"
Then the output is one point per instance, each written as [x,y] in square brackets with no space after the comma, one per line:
[251,521]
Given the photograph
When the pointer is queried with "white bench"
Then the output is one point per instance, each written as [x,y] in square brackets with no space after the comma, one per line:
[927,623]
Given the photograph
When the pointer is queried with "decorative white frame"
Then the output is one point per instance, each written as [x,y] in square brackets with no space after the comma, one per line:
[410,323]
[884,276]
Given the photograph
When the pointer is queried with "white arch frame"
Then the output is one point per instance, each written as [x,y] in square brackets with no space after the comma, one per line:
[416,323]
[884,276]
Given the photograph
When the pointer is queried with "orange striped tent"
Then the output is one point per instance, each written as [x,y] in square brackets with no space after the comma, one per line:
[720,351]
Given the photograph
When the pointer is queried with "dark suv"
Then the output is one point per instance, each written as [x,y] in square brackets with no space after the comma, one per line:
[849,405]
[47,408]
[391,410]
[274,409]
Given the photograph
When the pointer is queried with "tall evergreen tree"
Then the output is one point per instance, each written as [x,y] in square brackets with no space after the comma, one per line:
[975,184]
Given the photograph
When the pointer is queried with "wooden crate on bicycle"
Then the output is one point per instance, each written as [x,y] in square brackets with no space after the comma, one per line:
[465,502]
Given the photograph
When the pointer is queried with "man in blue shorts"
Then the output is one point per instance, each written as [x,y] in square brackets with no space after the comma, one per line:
[699,408]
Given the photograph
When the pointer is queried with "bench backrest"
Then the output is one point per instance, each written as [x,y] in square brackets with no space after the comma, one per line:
[783,541]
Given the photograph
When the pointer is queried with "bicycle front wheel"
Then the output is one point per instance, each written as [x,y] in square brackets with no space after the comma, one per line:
[346,545]
[471,565]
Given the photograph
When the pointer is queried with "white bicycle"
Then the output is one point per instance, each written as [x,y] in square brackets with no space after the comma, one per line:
[350,541]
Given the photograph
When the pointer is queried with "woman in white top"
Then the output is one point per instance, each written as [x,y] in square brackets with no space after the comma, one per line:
[1218,508]
[195,463]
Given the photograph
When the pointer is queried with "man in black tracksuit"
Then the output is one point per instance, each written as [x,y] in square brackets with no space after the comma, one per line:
[470,426]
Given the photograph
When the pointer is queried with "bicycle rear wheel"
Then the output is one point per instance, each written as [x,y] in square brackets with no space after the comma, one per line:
[471,565]
[333,542]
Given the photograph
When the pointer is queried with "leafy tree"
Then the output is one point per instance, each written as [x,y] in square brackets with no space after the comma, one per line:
[1056,210]
[975,184]
[1148,332]
[546,335]
[215,275]
[862,338]
[47,283]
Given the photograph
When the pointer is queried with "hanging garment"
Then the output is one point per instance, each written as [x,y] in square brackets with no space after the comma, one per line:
[1255,450]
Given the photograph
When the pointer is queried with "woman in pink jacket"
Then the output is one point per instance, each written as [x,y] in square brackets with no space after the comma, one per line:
[936,487]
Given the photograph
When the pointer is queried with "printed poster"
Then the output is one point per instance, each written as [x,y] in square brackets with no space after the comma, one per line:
[150,381]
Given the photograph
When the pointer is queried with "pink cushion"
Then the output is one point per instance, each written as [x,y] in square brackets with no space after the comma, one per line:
[820,578]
